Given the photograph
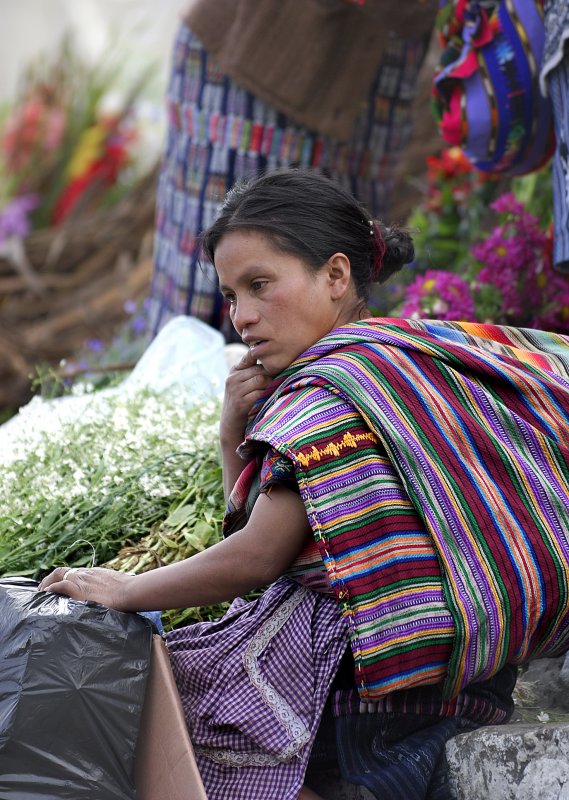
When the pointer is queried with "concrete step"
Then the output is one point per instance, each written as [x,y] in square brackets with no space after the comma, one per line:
[527,759]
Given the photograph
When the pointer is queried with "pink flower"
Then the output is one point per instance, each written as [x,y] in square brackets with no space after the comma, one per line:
[54,129]
[34,130]
[508,204]
[516,261]
[439,294]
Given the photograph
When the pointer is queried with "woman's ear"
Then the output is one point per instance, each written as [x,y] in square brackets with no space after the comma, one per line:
[339,275]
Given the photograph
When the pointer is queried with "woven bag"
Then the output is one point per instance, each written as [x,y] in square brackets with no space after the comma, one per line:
[486,89]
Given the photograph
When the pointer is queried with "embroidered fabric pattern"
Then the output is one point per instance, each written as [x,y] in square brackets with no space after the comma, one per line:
[486,90]
[296,729]
[253,685]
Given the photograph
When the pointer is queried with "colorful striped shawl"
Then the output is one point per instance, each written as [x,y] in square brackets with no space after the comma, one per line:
[433,460]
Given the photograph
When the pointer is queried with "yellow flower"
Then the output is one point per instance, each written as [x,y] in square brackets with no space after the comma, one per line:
[455,153]
[89,148]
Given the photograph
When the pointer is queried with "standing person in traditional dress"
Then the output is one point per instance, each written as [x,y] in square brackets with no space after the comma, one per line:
[401,489]
[261,84]
[554,79]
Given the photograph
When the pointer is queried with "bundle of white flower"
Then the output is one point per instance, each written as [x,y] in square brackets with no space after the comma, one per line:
[132,482]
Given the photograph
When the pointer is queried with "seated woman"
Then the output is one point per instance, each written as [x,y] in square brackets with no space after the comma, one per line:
[401,488]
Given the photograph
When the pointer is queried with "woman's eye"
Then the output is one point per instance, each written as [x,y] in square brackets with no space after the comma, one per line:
[257,285]
[230,298]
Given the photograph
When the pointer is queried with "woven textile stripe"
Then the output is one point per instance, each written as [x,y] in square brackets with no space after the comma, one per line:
[353,494]
[447,446]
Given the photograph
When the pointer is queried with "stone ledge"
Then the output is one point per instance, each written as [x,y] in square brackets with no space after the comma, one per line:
[510,762]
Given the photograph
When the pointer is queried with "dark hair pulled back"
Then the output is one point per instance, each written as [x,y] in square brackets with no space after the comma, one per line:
[308,215]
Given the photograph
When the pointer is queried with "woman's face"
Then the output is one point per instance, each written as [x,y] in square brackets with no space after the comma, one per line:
[277,306]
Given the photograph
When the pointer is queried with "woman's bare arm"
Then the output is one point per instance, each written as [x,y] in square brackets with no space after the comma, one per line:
[250,558]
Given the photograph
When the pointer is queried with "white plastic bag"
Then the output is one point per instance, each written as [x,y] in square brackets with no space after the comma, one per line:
[186,353]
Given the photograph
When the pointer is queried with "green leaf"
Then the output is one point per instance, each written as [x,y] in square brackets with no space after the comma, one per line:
[204,531]
[169,542]
[180,516]
[194,542]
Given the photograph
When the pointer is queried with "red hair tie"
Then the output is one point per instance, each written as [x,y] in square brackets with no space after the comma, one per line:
[378,249]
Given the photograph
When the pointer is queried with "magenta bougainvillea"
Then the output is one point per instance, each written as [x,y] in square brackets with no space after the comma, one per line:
[439,294]
[506,278]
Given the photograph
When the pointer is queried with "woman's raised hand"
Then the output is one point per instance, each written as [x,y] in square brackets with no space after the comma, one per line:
[104,586]
[245,384]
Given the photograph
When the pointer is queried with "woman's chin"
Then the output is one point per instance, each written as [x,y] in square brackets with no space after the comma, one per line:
[271,366]
[270,370]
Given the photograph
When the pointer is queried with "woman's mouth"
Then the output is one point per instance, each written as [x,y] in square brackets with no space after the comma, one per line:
[256,345]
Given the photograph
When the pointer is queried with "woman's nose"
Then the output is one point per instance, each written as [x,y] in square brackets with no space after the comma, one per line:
[243,313]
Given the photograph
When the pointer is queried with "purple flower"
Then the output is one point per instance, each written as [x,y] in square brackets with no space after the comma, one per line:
[516,260]
[14,219]
[129,307]
[95,345]
[138,325]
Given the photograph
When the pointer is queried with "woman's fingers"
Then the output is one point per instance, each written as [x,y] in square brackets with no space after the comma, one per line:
[247,360]
[243,386]
[57,576]
[246,369]
[105,586]
[251,382]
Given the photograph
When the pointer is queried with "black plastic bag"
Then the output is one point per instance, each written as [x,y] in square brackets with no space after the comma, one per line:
[72,683]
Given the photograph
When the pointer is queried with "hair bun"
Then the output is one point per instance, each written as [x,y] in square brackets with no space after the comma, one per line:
[399,250]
